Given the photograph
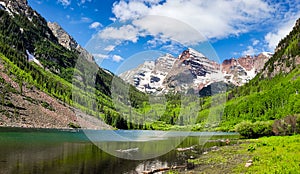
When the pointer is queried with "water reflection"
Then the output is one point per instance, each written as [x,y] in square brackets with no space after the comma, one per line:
[65,152]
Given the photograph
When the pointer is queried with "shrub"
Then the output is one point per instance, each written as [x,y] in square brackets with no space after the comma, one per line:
[248,129]
[245,129]
[287,126]
[262,128]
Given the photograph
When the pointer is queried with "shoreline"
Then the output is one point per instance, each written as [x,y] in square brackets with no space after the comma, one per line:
[264,155]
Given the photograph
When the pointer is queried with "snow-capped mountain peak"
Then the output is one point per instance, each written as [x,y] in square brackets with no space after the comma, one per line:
[192,70]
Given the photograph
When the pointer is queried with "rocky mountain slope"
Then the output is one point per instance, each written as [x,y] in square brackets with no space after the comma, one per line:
[192,71]
[23,105]
[37,71]
[286,57]
[241,70]
[68,41]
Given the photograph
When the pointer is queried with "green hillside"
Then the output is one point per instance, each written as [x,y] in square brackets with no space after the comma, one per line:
[272,94]
[18,34]
[78,82]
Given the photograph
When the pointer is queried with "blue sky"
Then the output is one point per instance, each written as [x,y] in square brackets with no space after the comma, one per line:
[118,31]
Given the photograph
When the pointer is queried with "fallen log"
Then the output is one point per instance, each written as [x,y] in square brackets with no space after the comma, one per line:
[185,149]
[164,169]
[128,150]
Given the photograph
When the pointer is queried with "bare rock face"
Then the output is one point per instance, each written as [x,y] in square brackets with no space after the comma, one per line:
[239,71]
[63,37]
[68,41]
[192,71]
[18,7]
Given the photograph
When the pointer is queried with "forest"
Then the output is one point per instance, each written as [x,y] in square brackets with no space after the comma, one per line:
[270,96]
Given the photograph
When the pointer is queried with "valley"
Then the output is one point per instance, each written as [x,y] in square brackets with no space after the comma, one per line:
[182,111]
[254,88]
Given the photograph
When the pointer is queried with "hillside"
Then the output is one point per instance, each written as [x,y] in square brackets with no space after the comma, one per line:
[53,83]
[23,105]
[273,93]
[49,80]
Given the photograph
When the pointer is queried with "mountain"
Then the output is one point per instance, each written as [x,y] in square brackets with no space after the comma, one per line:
[286,57]
[150,76]
[192,71]
[241,70]
[47,78]
[68,41]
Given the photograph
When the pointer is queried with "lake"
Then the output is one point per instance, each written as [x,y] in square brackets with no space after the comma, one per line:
[88,151]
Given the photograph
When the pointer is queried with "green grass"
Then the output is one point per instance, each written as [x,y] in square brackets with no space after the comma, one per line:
[273,155]
[277,154]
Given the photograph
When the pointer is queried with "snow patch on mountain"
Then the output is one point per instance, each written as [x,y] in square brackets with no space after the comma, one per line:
[191,71]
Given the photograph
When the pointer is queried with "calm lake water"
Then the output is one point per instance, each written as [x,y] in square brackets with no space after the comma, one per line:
[108,152]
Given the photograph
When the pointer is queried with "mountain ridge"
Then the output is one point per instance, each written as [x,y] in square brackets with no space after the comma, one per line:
[203,71]
[68,41]
[25,38]
[286,57]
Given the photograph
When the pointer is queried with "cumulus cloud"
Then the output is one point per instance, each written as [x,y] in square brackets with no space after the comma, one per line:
[250,51]
[126,33]
[117,58]
[213,19]
[64,2]
[129,10]
[169,28]
[95,25]
[193,21]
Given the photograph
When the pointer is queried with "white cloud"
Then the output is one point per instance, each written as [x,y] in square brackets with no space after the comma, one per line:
[255,42]
[100,56]
[85,19]
[81,2]
[126,32]
[113,19]
[169,28]
[213,19]
[250,51]
[117,58]
[64,2]
[82,20]
[272,38]
[190,22]
[95,25]
[129,10]
[109,48]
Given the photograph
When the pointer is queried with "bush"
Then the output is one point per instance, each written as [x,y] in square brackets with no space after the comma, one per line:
[248,129]
[287,126]
[262,128]
[245,129]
